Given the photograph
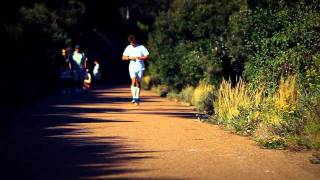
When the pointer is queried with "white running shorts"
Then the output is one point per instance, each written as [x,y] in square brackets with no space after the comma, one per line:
[136,73]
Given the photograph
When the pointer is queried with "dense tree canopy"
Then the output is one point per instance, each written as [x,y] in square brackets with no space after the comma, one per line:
[259,40]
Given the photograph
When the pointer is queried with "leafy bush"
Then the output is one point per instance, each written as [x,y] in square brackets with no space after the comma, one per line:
[247,121]
[310,113]
[273,142]
[186,42]
[272,44]
[149,81]
[161,90]
[184,96]
[281,41]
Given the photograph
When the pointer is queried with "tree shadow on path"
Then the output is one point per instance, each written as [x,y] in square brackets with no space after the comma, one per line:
[45,142]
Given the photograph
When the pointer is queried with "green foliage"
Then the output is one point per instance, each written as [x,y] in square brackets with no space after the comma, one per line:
[148,81]
[247,121]
[52,22]
[186,42]
[273,44]
[281,41]
[185,95]
[276,45]
[309,108]
[143,27]
[273,142]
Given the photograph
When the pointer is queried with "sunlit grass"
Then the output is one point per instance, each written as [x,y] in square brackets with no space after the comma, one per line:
[230,99]
[286,99]
[203,97]
[270,119]
[145,83]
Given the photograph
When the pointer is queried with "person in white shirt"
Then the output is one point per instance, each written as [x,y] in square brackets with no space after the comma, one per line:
[137,54]
[78,65]
[96,71]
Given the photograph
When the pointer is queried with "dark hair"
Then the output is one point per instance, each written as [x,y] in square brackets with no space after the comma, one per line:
[131,38]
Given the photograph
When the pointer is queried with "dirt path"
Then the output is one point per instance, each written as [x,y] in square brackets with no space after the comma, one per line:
[101,135]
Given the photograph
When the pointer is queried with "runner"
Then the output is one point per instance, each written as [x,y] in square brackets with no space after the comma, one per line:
[137,54]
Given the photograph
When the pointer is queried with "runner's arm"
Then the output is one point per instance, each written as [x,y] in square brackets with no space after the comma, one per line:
[126,58]
[144,58]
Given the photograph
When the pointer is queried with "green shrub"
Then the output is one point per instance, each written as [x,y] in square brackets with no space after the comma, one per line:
[298,142]
[247,121]
[282,42]
[310,112]
[185,96]
[161,90]
[272,142]
[149,81]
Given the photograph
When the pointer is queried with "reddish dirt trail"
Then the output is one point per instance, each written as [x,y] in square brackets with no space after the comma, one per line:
[101,135]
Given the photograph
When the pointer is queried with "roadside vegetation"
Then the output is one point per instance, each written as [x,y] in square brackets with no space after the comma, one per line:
[254,66]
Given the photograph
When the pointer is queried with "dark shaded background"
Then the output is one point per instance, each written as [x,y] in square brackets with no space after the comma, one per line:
[29,73]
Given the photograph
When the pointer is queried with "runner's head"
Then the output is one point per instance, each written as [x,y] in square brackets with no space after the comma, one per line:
[132,39]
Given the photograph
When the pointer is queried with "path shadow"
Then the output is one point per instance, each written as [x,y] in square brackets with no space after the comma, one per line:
[185,115]
[99,97]
[44,143]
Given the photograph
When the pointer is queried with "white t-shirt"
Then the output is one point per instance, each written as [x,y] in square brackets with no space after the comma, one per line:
[77,57]
[96,69]
[138,50]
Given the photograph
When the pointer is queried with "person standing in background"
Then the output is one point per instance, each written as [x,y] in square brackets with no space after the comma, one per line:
[78,66]
[87,80]
[65,71]
[96,71]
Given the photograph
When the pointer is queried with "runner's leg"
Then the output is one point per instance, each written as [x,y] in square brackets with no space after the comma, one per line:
[133,90]
[138,84]
[133,83]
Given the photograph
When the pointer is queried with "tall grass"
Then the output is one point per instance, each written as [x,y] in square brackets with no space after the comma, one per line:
[230,100]
[286,99]
[275,120]
[271,119]
[203,97]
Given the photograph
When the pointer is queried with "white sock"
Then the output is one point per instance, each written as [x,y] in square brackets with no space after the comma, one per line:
[137,93]
[133,92]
